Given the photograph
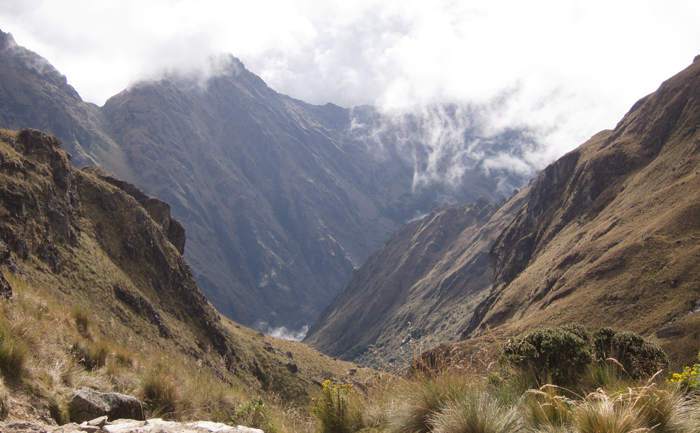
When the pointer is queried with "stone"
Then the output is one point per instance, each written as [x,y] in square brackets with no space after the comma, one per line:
[87,404]
[23,427]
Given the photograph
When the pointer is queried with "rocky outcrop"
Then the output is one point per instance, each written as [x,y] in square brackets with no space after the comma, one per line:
[157,209]
[88,404]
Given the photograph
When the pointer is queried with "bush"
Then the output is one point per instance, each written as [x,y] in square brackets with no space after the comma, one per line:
[253,413]
[688,380]
[335,411]
[641,359]
[554,355]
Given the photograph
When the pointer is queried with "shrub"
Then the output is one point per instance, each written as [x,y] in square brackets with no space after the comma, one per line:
[335,411]
[253,413]
[554,355]
[688,380]
[641,359]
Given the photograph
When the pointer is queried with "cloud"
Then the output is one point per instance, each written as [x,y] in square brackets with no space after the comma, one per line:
[284,333]
[564,70]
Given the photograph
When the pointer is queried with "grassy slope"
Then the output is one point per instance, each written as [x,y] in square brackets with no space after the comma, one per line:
[77,250]
[611,233]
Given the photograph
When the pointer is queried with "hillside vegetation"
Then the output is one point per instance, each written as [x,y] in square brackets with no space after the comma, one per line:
[96,293]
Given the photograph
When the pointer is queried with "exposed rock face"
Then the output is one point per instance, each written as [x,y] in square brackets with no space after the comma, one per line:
[157,209]
[88,404]
[419,289]
[610,232]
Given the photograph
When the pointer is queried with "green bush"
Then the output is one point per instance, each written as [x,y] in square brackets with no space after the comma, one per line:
[553,355]
[253,413]
[641,359]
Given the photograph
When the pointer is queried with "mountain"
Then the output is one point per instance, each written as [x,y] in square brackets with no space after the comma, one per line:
[95,292]
[281,200]
[418,290]
[608,235]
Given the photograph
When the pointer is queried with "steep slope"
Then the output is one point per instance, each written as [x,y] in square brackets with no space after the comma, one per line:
[419,289]
[610,233]
[82,244]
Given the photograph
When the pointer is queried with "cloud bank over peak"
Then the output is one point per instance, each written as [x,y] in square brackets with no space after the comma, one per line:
[563,70]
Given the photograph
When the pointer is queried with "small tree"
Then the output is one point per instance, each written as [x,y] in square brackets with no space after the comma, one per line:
[555,355]
[641,359]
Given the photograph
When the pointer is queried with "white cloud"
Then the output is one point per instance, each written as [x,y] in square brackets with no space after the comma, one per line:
[565,69]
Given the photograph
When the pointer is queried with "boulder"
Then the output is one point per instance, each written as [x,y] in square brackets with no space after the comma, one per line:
[88,404]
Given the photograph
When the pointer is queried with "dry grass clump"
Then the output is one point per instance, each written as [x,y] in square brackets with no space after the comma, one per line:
[476,412]
[454,401]
[422,399]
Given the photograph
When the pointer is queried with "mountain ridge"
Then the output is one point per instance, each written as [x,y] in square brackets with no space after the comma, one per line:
[281,199]
[607,234]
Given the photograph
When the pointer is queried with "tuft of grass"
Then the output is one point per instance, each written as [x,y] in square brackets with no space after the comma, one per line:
[546,409]
[602,413]
[14,354]
[420,400]
[82,321]
[91,354]
[253,413]
[161,389]
[476,412]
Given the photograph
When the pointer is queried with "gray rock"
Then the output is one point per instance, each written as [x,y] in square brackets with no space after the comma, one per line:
[87,404]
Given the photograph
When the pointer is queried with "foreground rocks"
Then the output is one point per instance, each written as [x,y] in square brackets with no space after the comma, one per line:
[126,426]
[88,404]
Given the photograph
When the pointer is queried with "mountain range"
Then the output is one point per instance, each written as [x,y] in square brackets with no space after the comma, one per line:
[281,200]
[607,235]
